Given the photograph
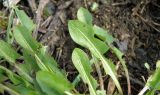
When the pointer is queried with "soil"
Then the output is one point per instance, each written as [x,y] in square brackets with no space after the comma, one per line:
[134,23]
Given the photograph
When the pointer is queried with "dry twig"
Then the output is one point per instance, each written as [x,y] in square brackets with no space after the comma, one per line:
[39,12]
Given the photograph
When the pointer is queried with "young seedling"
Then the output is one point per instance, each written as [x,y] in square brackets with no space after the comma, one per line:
[83,33]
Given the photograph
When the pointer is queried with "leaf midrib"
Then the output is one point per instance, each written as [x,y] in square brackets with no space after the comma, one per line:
[85,75]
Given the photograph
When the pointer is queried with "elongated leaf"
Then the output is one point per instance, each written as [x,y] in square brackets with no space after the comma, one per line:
[103,34]
[154,81]
[82,64]
[24,38]
[84,16]
[47,63]
[22,89]
[25,20]
[52,83]
[119,54]
[2,76]
[12,76]
[46,58]
[23,74]
[11,91]
[29,65]
[7,52]
[83,35]
[11,55]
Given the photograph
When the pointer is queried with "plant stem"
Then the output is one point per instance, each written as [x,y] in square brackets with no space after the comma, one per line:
[119,55]
[99,73]
[143,90]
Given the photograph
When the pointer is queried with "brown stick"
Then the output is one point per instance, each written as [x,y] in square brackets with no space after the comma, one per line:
[41,6]
[33,6]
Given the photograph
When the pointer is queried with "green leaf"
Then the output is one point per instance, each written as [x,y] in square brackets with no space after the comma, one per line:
[12,76]
[84,16]
[11,55]
[154,81]
[47,63]
[24,75]
[46,58]
[25,20]
[103,34]
[76,80]
[52,83]
[2,77]
[83,35]
[26,67]
[9,90]
[43,60]
[2,91]
[119,54]
[25,39]
[7,52]
[23,90]
[29,65]
[82,64]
